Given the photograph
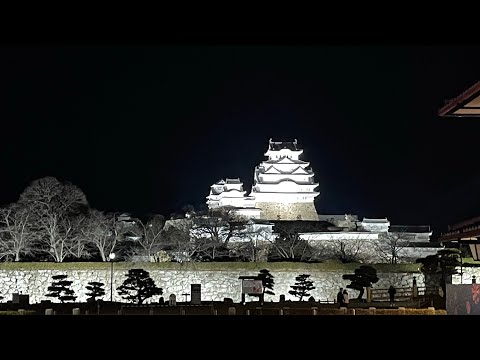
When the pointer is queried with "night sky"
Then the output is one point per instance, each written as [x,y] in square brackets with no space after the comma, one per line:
[148,129]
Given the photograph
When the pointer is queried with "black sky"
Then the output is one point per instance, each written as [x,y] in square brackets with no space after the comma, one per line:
[148,129]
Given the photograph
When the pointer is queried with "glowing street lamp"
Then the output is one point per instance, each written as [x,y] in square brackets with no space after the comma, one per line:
[111,256]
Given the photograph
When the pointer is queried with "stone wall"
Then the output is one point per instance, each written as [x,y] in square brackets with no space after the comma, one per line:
[466,275]
[287,211]
[215,284]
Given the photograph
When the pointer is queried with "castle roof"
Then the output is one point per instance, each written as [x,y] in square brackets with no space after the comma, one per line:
[228,181]
[272,170]
[301,170]
[279,145]
[232,190]
[375,221]
[278,181]
[285,160]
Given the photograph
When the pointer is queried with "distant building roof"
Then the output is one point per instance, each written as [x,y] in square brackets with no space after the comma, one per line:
[409,228]
[233,181]
[467,104]
[337,217]
[279,145]
[375,221]
[124,217]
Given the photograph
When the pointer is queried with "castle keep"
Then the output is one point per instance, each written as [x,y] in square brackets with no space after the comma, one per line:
[283,187]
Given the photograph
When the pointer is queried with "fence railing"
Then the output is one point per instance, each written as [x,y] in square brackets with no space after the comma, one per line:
[402,294]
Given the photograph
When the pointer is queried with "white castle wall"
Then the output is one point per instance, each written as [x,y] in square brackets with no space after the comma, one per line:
[215,285]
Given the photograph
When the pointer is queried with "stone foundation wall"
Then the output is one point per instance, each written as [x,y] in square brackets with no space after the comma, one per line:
[215,284]
[287,211]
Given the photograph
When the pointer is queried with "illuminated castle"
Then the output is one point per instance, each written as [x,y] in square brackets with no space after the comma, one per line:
[283,187]
[230,193]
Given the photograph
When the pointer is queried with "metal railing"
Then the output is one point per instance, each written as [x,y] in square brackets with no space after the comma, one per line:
[402,294]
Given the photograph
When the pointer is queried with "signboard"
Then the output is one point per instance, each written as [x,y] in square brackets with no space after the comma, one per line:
[253,287]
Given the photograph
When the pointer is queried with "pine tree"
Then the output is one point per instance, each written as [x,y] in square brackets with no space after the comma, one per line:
[138,286]
[302,286]
[60,289]
[267,284]
[267,281]
[363,277]
[441,265]
[96,290]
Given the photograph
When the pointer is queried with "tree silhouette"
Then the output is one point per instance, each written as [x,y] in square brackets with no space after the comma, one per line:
[444,263]
[363,277]
[96,290]
[138,286]
[60,289]
[288,245]
[302,286]
[267,282]
[57,211]
[212,233]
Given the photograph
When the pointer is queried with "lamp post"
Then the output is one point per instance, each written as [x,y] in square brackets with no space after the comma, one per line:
[461,264]
[111,256]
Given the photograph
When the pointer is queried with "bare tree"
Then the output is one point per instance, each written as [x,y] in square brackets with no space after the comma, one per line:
[346,250]
[257,240]
[102,232]
[17,237]
[390,246]
[56,213]
[80,247]
[288,243]
[212,234]
[177,241]
[148,236]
